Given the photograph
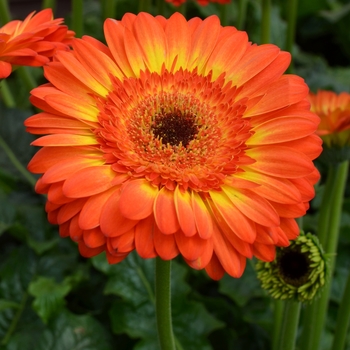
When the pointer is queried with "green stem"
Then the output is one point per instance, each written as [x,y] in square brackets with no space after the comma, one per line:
[325,209]
[49,4]
[17,163]
[343,320]
[242,14]
[292,7]
[290,325]
[77,17]
[5,15]
[265,21]
[223,14]
[6,94]
[109,8]
[277,323]
[314,323]
[163,304]
[26,77]
[15,320]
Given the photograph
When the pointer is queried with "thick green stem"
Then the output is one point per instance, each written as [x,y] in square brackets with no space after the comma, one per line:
[49,4]
[265,21]
[5,15]
[343,320]
[6,95]
[17,164]
[316,314]
[290,325]
[163,305]
[77,17]
[242,14]
[291,19]
[26,77]
[109,8]
[224,14]
[15,320]
[277,323]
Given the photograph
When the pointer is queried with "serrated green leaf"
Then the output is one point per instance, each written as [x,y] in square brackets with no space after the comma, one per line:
[243,289]
[48,296]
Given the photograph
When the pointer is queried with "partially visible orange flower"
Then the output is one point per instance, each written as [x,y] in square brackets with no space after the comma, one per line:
[334,111]
[179,137]
[200,2]
[32,42]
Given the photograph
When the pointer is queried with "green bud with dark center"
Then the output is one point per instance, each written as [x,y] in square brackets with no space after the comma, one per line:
[298,271]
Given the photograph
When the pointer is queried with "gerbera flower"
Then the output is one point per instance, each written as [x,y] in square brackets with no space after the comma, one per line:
[299,271]
[32,42]
[334,111]
[178,138]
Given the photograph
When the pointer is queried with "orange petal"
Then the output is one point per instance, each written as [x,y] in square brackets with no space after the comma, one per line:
[113,223]
[144,238]
[90,214]
[151,38]
[184,212]
[75,232]
[214,268]
[202,216]
[264,252]
[65,140]
[96,63]
[280,161]
[230,259]
[190,247]
[165,212]
[137,199]
[178,41]
[204,258]
[281,130]
[94,238]
[69,210]
[124,243]
[232,217]
[165,245]
[89,181]
[290,228]
[61,170]
[87,252]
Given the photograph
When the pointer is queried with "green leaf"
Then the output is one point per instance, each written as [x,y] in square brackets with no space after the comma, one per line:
[241,290]
[64,332]
[7,213]
[8,304]
[134,314]
[48,296]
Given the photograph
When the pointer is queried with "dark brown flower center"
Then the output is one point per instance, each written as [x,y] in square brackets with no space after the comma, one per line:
[175,127]
[294,266]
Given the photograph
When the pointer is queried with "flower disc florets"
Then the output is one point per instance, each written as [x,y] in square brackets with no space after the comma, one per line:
[179,137]
[298,272]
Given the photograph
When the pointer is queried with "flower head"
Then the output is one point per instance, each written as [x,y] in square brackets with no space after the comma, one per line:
[334,112]
[176,138]
[32,42]
[298,272]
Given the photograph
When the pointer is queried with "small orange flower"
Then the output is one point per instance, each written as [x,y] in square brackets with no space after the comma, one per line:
[32,42]
[176,138]
[334,111]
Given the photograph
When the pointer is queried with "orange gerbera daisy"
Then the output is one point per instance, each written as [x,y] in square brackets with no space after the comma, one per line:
[334,111]
[32,42]
[178,138]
